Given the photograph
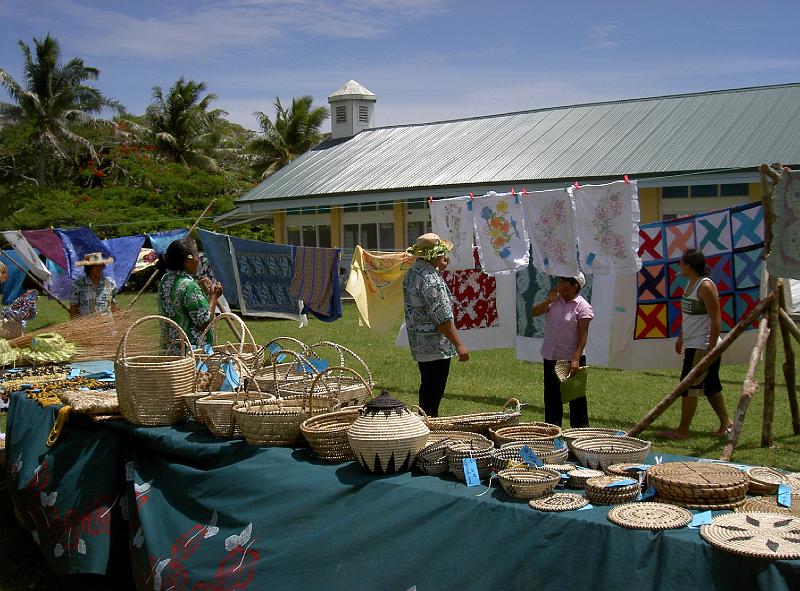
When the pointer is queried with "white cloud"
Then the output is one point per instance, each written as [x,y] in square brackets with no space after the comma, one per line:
[600,36]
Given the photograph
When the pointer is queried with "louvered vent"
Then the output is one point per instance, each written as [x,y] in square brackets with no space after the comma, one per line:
[363,114]
[341,115]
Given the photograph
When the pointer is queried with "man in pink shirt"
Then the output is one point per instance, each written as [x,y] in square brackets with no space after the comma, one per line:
[566,330]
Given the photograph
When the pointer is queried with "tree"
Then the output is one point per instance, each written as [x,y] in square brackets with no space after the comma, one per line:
[52,101]
[294,132]
[182,127]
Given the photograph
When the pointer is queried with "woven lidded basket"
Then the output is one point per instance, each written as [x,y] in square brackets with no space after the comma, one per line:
[528,483]
[533,432]
[697,485]
[601,452]
[327,434]
[600,492]
[478,422]
[386,437]
[246,349]
[573,434]
[150,387]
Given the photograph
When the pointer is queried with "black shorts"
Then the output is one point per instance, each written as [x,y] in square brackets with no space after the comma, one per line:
[708,382]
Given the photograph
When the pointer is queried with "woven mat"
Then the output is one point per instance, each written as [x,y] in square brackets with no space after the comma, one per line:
[696,475]
[769,505]
[559,502]
[757,535]
[652,516]
[721,506]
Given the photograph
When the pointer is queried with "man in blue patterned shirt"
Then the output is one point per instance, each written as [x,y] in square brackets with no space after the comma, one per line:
[428,308]
[93,292]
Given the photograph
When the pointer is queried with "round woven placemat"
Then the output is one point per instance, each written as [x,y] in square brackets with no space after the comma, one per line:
[559,502]
[757,535]
[769,505]
[652,516]
[695,475]
[721,506]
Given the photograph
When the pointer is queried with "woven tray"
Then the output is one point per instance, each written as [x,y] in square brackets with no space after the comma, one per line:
[719,506]
[698,483]
[652,516]
[575,433]
[528,483]
[755,535]
[529,432]
[599,494]
[765,481]
[563,468]
[559,502]
[327,434]
[601,452]
[770,505]
[578,478]
[478,422]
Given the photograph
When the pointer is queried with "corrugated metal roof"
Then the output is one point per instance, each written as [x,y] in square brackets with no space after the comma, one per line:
[727,129]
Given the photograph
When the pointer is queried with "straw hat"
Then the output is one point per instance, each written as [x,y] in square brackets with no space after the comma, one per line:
[49,347]
[94,258]
[8,354]
[429,246]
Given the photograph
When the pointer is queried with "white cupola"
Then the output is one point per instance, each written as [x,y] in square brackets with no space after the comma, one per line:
[352,108]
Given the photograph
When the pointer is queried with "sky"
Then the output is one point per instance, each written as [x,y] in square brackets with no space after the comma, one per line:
[426,60]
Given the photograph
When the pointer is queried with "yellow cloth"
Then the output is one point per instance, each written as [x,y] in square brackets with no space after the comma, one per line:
[376,284]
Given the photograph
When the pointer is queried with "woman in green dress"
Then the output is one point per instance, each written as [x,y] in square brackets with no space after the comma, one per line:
[191,304]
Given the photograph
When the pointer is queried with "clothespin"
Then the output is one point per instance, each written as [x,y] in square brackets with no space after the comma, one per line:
[471,199]
[430,200]
[471,196]
[627,180]
[577,185]
[524,191]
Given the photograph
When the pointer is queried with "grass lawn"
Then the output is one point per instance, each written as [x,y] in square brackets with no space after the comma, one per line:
[616,399]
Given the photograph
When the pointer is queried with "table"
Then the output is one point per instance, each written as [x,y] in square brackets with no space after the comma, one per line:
[207,514]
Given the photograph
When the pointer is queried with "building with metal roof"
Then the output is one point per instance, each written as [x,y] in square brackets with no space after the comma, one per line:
[369,185]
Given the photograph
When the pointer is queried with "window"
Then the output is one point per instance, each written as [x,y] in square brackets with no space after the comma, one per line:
[675,192]
[324,240]
[350,236]
[369,206]
[324,209]
[308,210]
[416,229]
[293,235]
[734,190]
[363,114]
[705,190]
[386,236]
[417,204]
[293,211]
[341,115]
[309,236]
[386,206]
[369,236]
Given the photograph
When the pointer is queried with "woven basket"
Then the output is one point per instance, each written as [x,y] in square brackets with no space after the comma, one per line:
[432,459]
[149,387]
[573,386]
[386,437]
[765,481]
[621,469]
[510,452]
[698,484]
[601,452]
[246,349]
[458,451]
[350,391]
[575,433]
[327,434]
[477,422]
[578,477]
[343,383]
[599,493]
[209,380]
[528,483]
[533,432]
[275,371]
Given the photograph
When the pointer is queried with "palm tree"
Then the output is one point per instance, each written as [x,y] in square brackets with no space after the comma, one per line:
[181,125]
[53,100]
[293,132]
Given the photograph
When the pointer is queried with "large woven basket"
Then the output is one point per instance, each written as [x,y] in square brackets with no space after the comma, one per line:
[535,432]
[343,383]
[327,434]
[457,452]
[601,452]
[350,390]
[246,349]
[528,483]
[573,434]
[149,387]
[386,437]
[216,409]
[278,372]
[478,422]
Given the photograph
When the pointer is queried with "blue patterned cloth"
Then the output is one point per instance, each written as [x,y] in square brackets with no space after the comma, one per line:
[77,243]
[12,287]
[217,249]
[265,273]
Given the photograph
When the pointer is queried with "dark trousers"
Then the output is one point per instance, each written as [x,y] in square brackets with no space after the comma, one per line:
[433,376]
[553,407]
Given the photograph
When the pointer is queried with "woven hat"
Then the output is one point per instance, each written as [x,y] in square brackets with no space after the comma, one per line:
[49,347]
[94,258]
[8,354]
[581,279]
[429,246]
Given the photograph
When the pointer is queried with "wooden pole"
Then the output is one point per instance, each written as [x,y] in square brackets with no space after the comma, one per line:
[790,325]
[769,369]
[749,388]
[35,280]
[789,363]
[704,363]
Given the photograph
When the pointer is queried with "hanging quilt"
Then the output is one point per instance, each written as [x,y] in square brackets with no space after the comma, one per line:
[500,233]
[732,241]
[316,281]
[49,244]
[29,256]
[550,220]
[452,220]
[376,284]
[784,260]
[607,223]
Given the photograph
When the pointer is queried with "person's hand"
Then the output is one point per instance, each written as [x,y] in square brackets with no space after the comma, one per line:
[205,285]
[463,353]
[573,366]
[679,345]
[216,289]
[553,295]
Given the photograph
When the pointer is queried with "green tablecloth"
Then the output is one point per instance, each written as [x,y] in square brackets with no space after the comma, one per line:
[211,514]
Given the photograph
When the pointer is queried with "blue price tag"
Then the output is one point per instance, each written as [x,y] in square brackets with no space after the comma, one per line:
[702,518]
[620,434]
[590,259]
[471,472]
[74,372]
[586,507]
[319,365]
[208,349]
[530,457]
[650,492]
[231,381]
[784,495]
[202,367]
[558,443]
[14,370]
[623,482]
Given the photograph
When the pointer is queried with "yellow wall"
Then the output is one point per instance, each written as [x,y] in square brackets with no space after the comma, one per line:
[337,240]
[754,192]
[279,227]
[649,200]
[399,225]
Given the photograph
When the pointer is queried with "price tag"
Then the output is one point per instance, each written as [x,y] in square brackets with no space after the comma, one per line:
[586,507]
[702,518]
[784,495]
[530,457]
[231,381]
[74,372]
[620,434]
[319,365]
[208,349]
[558,443]
[471,472]
[623,482]
[650,492]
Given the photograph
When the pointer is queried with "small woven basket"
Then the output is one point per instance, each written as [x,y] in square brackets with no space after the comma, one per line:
[327,434]
[528,483]
[150,387]
[343,383]
[533,432]
[457,452]
[432,459]
[349,390]
[246,349]
[578,477]
[510,452]
[478,422]
[601,452]
[599,492]
[571,386]
[573,434]
[765,481]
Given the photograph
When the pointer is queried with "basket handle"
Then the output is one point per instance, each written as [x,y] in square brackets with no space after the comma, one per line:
[512,402]
[299,357]
[243,333]
[186,344]
[342,370]
[301,346]
[341,349]
[419,411]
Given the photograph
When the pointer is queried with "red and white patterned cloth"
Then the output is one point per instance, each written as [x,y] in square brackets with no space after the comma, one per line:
[474,298]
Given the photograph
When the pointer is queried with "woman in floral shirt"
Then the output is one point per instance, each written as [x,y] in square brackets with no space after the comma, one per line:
[182,299]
